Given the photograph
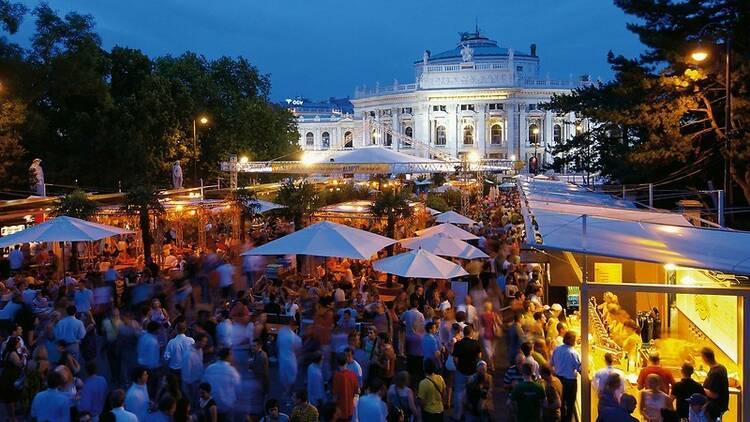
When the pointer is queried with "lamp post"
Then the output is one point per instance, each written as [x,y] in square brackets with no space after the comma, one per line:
[701,55]
[203,121]
[535,131]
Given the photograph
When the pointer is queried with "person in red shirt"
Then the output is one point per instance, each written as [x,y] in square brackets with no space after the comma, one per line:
[654,367]
[345,387]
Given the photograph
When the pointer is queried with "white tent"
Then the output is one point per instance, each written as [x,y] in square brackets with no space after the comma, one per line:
[62,229]
[454,218]
[376,155]
[419,264]
[326,239]
[449,230]
[723,250]
[629,214]
[443,245]
[265,206]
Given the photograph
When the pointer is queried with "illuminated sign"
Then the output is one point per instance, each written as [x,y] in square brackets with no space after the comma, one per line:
[294,101]
[8,230]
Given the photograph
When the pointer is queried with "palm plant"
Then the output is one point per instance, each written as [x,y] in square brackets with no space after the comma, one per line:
[300,199]
[246,201]
[391,204]
[76,204]
[144,202]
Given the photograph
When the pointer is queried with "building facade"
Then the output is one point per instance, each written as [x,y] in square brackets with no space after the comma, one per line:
[477,98]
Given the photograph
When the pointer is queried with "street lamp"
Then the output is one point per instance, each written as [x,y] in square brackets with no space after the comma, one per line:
[699,56]
[203,120]
[535,131]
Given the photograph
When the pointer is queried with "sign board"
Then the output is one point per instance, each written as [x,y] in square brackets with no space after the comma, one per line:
[607,272]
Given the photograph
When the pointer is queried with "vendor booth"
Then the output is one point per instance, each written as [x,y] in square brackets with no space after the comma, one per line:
[650,283]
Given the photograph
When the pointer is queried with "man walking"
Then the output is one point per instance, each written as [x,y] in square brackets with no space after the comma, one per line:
[567,365]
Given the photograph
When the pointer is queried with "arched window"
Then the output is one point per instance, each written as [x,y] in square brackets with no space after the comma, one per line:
[388,139]
[496,134]
[557,134]
[326,140]
[533,133]
[440,138]
[309,139]
[348,140]
[408,132]
[468,135]
[374,137]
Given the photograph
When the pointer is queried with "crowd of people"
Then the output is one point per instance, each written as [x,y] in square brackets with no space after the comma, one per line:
[210,337]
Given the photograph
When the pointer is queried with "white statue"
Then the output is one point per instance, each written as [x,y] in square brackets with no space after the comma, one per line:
[467,53]
[36,177]
[426,57]
[176,175]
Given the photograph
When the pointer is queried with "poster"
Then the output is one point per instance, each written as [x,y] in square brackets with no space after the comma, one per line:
[607,272]
[716,316]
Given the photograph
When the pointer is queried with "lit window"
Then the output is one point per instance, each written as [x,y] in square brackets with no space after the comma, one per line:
[496,134]
[533,133]
[468,135]
[309,139]
[440,138]
[326,140]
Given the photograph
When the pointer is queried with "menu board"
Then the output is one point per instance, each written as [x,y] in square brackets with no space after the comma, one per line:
[607,272]
[716,316]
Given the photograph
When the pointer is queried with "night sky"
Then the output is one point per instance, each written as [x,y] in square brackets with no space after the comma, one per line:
[322,48]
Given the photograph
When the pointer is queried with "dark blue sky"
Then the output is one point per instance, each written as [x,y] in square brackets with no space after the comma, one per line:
[321,48]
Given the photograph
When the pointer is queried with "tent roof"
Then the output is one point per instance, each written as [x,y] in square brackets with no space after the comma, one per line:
[558,191]
[62,229]
[419,263]
[723,250]
[326,239]
[454,218]
[662,217]
[449,230]
[376,155]
[443,245]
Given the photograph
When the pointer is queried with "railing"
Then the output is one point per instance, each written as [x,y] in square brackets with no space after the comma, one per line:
[386,89]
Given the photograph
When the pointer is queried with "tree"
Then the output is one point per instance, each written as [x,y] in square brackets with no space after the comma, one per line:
[300,199]
[144,202]
[391,204]
[76,204]
[662,118]
[11,15]
[246,202]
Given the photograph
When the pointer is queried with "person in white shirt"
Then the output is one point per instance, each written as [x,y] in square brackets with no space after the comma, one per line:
[70,330]
[316,393]
[15,257]
[177,348]
[600,377]
[224,330]
[192,367]
[83,298]
[51,404]
[116,402]
[224,381]
[137,399]
[148,347]
[371,407]
[225,272]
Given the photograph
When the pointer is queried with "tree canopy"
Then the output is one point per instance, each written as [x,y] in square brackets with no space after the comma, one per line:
[103,119]
[661,119]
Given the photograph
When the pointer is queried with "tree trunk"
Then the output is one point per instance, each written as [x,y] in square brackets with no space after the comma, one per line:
[145,234]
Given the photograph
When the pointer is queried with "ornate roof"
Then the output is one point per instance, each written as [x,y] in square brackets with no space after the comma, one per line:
[482,47]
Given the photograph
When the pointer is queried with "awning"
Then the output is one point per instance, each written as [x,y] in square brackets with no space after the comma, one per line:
[723,250]
[662,217]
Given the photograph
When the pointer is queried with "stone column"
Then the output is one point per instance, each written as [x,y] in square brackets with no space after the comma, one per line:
[452,129]
[396,125]
[511,140]
[481,130]
[548,125]
[523,131]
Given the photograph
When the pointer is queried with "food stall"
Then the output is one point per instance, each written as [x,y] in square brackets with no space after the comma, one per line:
[650,283]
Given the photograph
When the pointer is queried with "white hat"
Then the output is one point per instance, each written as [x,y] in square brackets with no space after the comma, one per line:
[556,307]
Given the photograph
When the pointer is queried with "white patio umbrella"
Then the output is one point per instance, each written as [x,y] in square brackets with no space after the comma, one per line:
[432,212]
[264,206]
[454,218]
[326,239]
[448,229]
[419,263]
[63,229]
[443,245]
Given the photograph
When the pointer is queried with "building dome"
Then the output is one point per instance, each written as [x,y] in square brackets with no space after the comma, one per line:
[482,49]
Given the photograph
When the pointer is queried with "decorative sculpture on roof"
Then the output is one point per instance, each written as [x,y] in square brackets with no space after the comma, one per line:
[176,175]
[467,53]
[36,177]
